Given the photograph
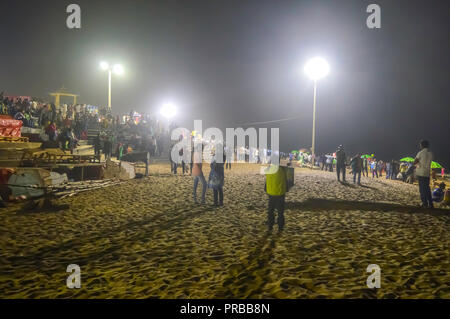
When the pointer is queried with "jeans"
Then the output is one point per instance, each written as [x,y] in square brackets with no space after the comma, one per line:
[200,178]
[218,196]
[173,167]
[340,168]
[425,191]
[227,165]
[374,172]
[365,171]
[359,176]
[276,202]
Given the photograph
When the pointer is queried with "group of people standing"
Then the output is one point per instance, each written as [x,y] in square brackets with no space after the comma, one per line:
[421,169]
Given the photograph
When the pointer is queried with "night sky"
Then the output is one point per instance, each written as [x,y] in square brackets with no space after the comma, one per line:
[234,62]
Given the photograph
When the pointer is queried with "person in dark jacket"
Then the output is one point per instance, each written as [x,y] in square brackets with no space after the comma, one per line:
[340,163]
[357,165]
[217,179]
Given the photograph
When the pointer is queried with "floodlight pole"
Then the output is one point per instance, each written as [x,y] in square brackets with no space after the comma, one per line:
[313,147]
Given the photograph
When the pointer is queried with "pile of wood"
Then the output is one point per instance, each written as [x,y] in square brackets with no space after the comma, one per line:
[73,188]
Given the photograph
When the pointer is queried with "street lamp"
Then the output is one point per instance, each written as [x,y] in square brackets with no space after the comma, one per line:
[116,69]
[316,69]
[168,110]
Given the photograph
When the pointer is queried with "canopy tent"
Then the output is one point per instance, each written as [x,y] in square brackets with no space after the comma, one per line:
[436,165]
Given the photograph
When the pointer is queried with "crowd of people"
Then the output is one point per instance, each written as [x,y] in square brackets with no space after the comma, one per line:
[66,125]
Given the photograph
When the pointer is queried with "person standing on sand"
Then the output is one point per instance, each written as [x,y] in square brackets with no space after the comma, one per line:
[329,163]
[340,163]
[357,165]
[365,169]
[229,154]
[197,172]
[373,167]
[276,187]
[380,167]
[216,180]
[423,165]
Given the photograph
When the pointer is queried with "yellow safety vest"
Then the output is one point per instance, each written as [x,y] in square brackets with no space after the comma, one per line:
[275,180]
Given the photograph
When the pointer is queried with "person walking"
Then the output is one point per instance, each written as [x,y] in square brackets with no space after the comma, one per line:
[423,165]
[340,163]
[276,187]
[357,165]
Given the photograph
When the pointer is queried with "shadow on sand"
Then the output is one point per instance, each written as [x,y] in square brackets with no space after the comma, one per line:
[319,204]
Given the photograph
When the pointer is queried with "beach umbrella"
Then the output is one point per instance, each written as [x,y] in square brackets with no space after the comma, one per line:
[367,156]
[435,165]
[295,152]
[407,159]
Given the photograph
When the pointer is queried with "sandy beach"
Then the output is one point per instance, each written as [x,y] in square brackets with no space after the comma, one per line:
[147,239]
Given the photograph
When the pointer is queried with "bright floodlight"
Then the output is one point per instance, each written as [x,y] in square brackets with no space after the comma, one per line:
[168,110]
[104,65]
[118,69]
[317,68]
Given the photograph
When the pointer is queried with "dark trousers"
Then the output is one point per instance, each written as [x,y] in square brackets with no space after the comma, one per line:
[218,196]
[365,171]
[276,202]
[340,168]
[227,165]
[175,167]
[425,191]
[374,172]
[200,178]
[357,173]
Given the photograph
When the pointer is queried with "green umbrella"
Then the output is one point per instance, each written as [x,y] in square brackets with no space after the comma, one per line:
[367,156]
[407,159]
[435,165]
[295,152]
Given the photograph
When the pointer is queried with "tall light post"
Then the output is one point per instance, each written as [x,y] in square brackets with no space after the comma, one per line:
[168,110]
[116,69]
[316,69]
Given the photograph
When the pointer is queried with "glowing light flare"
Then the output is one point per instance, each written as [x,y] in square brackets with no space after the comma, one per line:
[168,110]
[317,68]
